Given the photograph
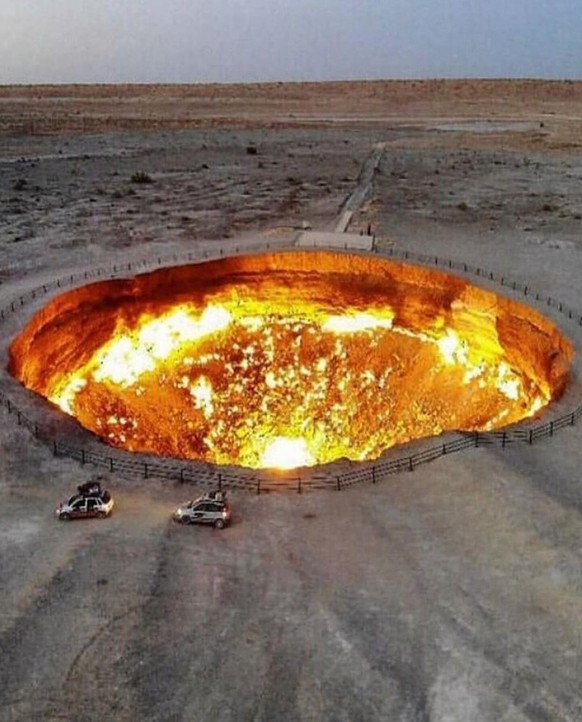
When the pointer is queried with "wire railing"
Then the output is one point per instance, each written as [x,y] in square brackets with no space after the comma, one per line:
[262,481]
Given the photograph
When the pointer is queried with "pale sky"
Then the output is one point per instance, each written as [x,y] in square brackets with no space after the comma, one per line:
[111,41]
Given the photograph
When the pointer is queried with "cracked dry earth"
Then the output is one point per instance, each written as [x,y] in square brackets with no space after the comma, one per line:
[450,594]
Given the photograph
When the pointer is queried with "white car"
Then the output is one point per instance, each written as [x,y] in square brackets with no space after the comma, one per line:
[212,508]
[89,503]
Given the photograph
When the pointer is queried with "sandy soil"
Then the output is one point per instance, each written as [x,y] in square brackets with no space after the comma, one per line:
[449,594]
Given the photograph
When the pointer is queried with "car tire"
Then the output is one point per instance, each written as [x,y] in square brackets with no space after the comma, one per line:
[65,516]
[101,514]
[219,524]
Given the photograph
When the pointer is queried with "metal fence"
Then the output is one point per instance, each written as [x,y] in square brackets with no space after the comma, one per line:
[265,481]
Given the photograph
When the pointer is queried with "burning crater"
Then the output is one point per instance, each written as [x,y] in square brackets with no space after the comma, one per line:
[289,359]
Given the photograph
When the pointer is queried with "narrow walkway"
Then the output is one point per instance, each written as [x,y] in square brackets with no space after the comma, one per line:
[357,197]
[339,237]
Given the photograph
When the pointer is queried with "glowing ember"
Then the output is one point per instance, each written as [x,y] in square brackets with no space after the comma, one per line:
[247,371]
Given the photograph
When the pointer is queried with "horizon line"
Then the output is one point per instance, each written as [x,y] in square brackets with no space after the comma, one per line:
[337,81]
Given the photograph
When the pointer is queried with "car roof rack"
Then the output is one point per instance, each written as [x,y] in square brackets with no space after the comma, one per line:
[90,488]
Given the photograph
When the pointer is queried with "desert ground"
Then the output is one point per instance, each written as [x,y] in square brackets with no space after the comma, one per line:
[452,593]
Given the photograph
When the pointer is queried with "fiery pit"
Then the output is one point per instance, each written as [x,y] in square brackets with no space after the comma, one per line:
[289,359]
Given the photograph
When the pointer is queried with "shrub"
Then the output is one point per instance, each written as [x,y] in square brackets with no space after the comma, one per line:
[141,176]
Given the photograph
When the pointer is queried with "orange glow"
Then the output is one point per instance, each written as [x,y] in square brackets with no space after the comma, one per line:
[285,453]
[252,374]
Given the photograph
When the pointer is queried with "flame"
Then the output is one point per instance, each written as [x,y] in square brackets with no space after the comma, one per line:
[451,349]
[131,354]
[215,382]
[125,359]
[358,322]
[285,453]
[202,394]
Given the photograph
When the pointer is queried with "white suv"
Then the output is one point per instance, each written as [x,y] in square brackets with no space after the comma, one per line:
[212,508]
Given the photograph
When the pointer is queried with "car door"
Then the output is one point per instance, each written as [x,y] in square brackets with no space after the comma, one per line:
[79,508]
[93,507]
[199,511]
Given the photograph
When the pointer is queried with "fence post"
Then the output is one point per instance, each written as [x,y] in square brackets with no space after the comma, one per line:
[477,439]
[530,436]
[551,428]
[410,464]
[19,417]
[182,475]
[219,482]
[339,484]
[110,463]
[82,457]
[444,451]
[55,449]
[373,475]
[258,486]
[573,419]
[504,439]
[145,471]
[299,485]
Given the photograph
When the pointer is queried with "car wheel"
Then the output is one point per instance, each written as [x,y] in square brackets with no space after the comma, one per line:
[219,524]
[101,514]
[65,516]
